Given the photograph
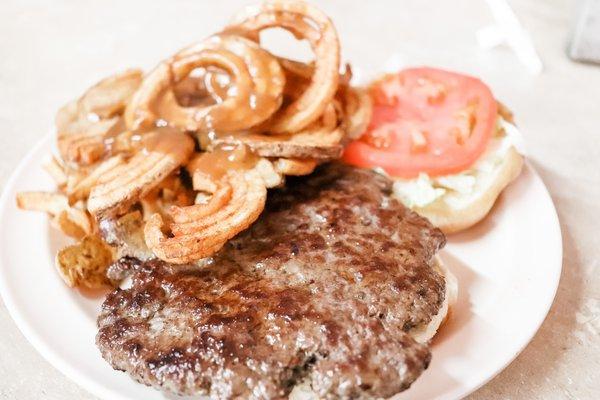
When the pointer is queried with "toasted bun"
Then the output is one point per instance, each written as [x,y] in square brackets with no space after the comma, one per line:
[469,209]
[423,334]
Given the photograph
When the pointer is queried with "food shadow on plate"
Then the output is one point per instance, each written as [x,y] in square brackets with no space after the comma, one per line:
[94,294]
[453,333]
[56,241]
[515,189]
[461,312]
[423,389]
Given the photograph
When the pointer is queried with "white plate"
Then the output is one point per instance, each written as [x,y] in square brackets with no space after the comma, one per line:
[508,268]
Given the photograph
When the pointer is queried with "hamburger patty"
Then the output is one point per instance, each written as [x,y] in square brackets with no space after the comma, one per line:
[325,288]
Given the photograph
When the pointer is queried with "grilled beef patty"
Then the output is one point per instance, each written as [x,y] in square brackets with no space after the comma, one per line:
[325,288]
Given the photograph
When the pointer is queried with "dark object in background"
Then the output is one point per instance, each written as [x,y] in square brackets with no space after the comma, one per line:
[585,37]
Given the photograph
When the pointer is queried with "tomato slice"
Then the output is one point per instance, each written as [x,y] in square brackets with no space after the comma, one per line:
[425,120]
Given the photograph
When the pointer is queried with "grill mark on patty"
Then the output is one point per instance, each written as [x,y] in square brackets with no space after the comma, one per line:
[324,287]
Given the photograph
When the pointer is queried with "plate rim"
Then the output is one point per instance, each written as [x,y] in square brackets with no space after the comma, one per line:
[26,329]
[81,379]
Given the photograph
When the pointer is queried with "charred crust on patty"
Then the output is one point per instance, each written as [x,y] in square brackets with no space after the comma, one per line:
[324,288]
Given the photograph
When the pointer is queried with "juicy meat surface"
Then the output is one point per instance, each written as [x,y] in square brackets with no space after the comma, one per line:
[324,288]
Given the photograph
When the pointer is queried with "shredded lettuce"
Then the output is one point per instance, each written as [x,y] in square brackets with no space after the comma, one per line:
[425,190]
[417,192]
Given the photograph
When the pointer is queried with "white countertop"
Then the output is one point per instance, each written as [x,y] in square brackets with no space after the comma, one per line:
[51,51]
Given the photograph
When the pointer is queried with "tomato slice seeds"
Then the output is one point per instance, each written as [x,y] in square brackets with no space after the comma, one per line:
[425,120]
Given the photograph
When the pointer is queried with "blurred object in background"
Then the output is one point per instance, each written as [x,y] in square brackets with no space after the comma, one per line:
[508,31]
[585,38]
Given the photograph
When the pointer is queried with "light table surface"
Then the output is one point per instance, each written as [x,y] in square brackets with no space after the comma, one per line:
[51,51]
